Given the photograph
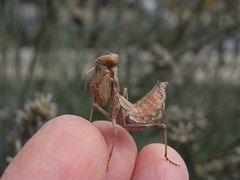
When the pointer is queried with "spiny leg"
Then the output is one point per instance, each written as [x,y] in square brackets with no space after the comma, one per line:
[159,125]
[106,114]
[162,125]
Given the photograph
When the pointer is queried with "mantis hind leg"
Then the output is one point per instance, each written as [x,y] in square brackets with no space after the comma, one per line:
[162,125]
[158,125]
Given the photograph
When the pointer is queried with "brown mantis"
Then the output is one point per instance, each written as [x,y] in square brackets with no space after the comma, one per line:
[104,80]
[145,113]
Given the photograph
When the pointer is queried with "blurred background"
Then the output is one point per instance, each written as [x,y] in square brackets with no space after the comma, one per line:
[46,46]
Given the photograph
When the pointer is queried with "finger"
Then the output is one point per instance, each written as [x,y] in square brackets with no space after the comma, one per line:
[151,164]
[122,162]
[67,147]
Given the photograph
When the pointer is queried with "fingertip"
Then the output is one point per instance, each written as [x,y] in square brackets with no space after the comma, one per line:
[67,147]
[122,162]
[151,164]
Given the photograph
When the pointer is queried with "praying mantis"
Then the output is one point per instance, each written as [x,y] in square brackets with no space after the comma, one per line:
[104,80]
[145,113]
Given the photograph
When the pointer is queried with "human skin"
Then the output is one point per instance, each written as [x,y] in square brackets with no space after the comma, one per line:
[70,147]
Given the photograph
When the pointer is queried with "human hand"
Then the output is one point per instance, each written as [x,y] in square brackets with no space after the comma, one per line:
[69,147]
